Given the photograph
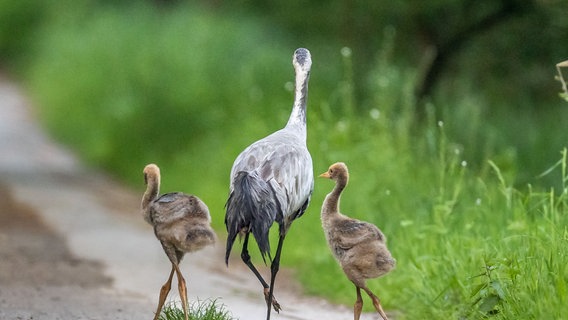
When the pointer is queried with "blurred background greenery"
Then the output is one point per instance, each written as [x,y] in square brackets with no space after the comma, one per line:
[446,111]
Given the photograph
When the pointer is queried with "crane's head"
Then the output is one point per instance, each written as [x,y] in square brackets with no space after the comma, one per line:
[151,171]
[336,171]
[302,60]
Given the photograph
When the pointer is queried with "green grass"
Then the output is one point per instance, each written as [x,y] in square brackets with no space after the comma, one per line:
[476,231]
[198,310]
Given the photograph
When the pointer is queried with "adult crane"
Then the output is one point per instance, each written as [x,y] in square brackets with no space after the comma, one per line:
[272,180]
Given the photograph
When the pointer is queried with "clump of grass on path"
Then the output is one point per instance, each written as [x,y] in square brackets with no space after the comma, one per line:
[198,310]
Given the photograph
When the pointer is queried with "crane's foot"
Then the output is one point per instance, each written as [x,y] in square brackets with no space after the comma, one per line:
[275,303]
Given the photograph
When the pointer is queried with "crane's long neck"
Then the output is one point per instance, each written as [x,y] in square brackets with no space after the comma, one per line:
[152,190]
[298,115]
[331,203]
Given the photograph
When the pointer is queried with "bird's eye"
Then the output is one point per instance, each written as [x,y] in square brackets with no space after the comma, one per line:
[330,170]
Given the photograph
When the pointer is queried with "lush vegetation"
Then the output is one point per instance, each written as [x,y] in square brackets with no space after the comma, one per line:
[470,187]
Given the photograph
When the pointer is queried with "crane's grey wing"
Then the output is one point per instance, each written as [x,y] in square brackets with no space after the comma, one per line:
[350,232]
[289,171]
[251,158]
[282,160]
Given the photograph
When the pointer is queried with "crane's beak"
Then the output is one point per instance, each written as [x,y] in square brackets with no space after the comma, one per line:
[325,175]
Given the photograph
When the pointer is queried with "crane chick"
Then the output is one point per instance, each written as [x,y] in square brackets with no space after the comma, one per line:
[359,247]
[181,223]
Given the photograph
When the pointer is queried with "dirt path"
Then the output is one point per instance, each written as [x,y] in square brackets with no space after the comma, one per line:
[73,245]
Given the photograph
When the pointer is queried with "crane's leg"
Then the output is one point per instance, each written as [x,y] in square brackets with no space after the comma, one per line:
[182,291]
[274,267]
[164,293]
[358,305]
[246,259]
[376,303]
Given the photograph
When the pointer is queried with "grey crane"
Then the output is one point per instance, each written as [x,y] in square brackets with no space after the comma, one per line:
[181,223]
[359,247]
[272,180]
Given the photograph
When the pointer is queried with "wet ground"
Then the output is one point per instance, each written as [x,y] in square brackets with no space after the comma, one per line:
[74,246]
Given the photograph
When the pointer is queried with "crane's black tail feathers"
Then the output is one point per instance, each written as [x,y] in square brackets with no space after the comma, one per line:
[252,206]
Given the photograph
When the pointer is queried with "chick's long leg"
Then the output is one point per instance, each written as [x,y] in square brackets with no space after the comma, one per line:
[358,305]
[182,291]
[176,256]
[376,303]
[164,293]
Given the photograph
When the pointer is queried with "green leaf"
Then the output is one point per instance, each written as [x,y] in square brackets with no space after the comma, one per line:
[489,303]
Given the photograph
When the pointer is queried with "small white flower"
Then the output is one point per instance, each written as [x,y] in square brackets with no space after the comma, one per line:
[440,123]
[346,52]
[464,163]
[375,113]
[406,223]
[341,126]
[289,86]
[478,201]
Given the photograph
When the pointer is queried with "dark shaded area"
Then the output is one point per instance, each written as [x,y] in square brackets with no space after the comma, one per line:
[445,50]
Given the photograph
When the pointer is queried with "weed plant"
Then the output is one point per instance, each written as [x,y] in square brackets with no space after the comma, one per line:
[129,87]
[198,310]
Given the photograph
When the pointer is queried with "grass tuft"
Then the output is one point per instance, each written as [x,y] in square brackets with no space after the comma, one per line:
[209,309]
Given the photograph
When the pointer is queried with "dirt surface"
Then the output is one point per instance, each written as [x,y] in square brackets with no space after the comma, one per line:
[74,246]
[36,262]
[33,255]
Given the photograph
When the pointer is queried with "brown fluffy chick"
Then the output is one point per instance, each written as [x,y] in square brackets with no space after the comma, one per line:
[181,223]
[359,247]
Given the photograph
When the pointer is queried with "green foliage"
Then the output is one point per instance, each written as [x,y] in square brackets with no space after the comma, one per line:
[198,310]
[19,19]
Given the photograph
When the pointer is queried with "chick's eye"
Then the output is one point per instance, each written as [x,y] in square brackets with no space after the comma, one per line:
[330,170]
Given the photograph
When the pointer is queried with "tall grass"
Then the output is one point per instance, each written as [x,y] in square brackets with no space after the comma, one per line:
[189,90]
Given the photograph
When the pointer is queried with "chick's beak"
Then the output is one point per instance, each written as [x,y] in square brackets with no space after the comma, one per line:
[325,175]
